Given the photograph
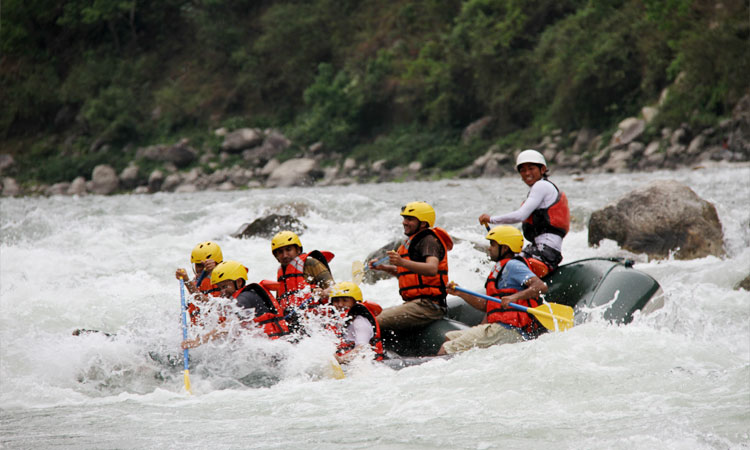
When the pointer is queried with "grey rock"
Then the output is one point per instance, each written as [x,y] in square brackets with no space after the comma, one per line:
[636,149]
[649,113]
[744,284]
[141,190]
[679,137]
[294,172]
[130,177]
[180,154]
[241,139]
[379,166]
[226,186]
[10,187]
[349,164]
[628,130]
[171,182]
[192,176]
[186,188]
[330,175]
[316,147]
[155,180]
[104,180]
[618,161]
[77,186]
[266,227]
[270,166]
[661,218]
[373,276]
[58,189]
[414,167]
[696,145]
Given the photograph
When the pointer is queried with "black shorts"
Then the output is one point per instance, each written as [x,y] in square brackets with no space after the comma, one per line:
[543,253]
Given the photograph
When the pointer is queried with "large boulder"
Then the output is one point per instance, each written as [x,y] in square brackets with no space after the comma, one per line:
[661,218]
[241,139]
[104,180]
[294,172]
[372,276]
[267,227]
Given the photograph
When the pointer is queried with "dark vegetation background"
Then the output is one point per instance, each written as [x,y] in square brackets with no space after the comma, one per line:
[86,82]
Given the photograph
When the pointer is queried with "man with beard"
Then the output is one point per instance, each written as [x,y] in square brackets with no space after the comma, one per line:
[421,264]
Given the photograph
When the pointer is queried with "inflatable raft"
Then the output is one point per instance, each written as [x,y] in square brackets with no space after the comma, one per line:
[609,287]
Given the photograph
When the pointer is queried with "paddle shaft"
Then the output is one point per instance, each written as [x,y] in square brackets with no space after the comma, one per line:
[512,305]
[185,354]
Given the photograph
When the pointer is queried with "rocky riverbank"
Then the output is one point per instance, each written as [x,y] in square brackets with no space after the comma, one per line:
[252,158]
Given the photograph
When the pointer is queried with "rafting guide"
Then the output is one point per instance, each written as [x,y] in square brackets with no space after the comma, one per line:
[545,214]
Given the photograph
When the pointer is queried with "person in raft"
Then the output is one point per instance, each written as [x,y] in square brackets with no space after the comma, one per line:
[204,257]
[545,214]
[258,307]
[303,278]
[359,331]
[511,280]
[421,264]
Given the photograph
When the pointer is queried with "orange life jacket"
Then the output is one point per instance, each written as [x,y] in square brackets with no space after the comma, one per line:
[294,289]
[497,313]
[369,311]
[207,288]
[412,285]
[554,219]
[273,322]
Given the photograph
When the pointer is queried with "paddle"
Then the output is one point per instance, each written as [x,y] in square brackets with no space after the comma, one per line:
[358,269]
[185,356]
[553,316]
[336,371]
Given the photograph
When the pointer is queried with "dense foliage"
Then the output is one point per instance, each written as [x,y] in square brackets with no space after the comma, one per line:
[86,81]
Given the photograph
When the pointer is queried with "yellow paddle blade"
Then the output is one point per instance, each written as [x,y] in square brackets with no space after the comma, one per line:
[553,316]
[358,272]
[336,371]
[187,382]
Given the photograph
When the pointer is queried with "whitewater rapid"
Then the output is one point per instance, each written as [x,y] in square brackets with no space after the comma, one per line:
[677,378]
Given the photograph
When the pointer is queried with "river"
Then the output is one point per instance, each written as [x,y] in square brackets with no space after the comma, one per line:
[677,378]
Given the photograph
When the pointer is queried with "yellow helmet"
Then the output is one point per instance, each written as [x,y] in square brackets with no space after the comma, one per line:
[206,250]
[506,235]
[346,289]
[421,211]
[228,270]
[284,238]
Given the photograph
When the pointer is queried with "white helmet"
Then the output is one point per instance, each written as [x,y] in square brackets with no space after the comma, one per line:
[530,156]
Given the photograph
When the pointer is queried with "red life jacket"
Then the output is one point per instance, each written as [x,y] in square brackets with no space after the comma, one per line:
[294,289]
[273,322]
[554,219]
[369,311]
[412,285]
[512,317]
